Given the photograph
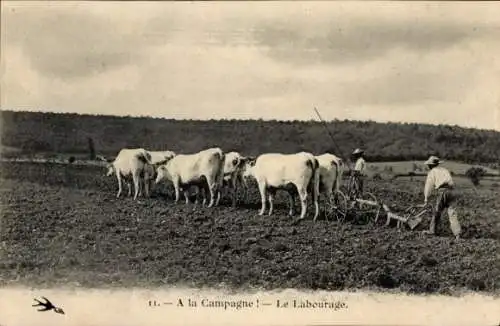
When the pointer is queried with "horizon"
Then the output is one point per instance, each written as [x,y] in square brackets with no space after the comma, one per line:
[424,63]
[312,120]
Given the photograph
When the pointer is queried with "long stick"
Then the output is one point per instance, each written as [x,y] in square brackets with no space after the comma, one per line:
[331,136]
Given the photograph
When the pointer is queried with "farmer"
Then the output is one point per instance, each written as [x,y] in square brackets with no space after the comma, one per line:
[359,168]
[440,179]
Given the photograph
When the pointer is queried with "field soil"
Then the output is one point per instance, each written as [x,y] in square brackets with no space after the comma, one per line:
[63,225]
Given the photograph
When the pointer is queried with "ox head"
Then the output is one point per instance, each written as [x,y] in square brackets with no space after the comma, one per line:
[238,163]
[160,168]
[161,173]
[247,164]
[169,155]
[110,168]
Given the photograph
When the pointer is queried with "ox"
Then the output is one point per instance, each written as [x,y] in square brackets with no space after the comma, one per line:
[331,168]
[233,163]
[203,169]
[330,171]
[132,163]
[274,171]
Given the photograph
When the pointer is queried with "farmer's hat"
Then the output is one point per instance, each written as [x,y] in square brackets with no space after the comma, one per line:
[433,160]
[358,151]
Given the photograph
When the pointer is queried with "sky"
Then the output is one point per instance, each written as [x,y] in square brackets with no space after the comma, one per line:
[428,62]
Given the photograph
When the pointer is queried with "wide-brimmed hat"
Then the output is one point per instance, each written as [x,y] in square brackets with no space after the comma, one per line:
[433,160]
[358,151]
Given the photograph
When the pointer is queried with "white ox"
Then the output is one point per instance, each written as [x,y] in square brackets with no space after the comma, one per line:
[203,169]
[135,164]
[330,174]
[233,178]
[331,168]
[274,171]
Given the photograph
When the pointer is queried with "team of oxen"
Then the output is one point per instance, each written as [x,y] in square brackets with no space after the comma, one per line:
[210,171]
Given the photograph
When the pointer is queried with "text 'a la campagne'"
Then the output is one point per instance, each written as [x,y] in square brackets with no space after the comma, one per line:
[250,304]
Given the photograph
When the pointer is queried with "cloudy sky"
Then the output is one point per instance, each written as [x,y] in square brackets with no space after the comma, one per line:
[384,61]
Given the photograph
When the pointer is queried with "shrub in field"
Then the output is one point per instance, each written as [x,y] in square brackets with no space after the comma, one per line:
[475,174]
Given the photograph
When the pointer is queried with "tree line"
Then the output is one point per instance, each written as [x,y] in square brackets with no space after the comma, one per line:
[69,133]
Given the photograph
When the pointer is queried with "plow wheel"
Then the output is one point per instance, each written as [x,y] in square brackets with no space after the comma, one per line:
[336,206]
[368,208]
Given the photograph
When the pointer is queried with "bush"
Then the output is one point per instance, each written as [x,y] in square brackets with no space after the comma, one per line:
[475,174]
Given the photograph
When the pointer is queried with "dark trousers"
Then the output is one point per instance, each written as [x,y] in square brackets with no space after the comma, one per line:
[445,201]
[358,181]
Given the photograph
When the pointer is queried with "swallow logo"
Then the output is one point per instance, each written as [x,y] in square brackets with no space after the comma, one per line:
[47,305]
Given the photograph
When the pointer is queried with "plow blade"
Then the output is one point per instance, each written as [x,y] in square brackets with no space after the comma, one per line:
[414,221]
[367,202]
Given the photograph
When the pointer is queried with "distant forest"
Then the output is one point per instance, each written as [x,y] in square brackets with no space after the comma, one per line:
[35,132]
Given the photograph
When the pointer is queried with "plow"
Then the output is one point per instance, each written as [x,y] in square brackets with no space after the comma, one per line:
[364,205]
[369,210]
[412,216]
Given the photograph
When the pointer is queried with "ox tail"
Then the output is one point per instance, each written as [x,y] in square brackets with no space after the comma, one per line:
[315,179]
[144,157]
[220,170]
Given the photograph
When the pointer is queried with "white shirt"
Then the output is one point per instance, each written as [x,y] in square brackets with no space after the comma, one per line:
[435,179]
[360,165]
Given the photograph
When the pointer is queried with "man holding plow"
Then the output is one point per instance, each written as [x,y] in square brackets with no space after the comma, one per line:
[359,169]
[440,179]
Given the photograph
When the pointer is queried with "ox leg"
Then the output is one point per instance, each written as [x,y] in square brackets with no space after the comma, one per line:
[234,188]
[129,185]
[303,202]
[219,194]
[186,195]
[146,186]
[270,197]
[204,194]
[245,191]
[119,184]
[212,195]
[136,185]
[218,198]
[291,201]
[177,190]
[262,189]
[213,188]
[139,183]
[316,204]
[198,193]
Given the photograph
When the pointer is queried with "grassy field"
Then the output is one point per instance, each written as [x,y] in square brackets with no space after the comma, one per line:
[62,224]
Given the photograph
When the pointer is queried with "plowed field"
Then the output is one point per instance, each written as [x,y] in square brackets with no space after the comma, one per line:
[63,225]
